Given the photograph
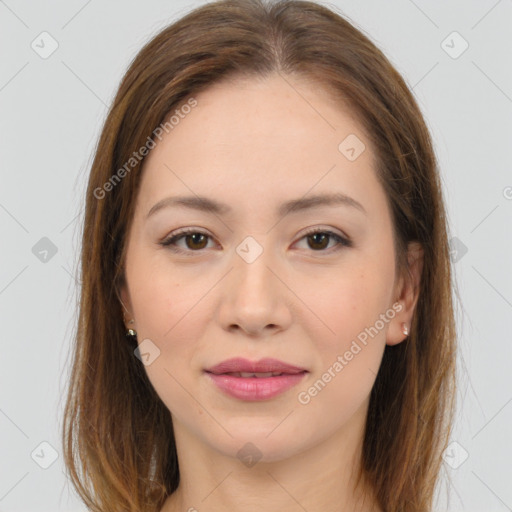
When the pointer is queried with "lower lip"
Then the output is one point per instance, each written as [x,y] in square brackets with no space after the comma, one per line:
[255,388]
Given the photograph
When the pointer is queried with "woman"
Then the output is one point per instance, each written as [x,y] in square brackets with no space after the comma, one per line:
[266,316]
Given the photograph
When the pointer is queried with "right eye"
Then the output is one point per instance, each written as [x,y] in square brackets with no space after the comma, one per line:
[194,239]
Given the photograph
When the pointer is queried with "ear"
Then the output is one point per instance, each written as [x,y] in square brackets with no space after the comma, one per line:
[125,304]
[406,293]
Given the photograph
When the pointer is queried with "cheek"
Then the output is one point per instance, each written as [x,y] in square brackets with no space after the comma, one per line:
[350,355]
[352,341]
[169,314]
[158,296]
[349,302]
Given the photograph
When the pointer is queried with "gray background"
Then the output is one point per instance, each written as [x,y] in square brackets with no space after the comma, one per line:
[51,112]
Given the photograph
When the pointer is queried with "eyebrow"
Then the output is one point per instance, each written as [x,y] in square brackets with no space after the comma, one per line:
[206,204]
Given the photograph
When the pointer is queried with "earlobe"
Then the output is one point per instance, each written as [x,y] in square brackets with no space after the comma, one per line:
[398,331]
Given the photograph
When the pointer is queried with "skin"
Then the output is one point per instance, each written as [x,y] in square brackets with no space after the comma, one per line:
[253,144]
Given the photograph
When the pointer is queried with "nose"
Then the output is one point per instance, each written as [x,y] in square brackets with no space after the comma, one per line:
[254,298]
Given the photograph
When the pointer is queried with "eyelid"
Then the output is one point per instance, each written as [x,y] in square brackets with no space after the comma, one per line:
[324,229]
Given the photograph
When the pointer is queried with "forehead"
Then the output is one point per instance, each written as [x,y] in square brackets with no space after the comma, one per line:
[277,112]
[261,138]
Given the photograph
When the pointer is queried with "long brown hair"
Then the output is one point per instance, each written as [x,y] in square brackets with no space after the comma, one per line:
[118,438]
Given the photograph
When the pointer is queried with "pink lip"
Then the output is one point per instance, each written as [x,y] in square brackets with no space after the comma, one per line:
[255,388]
[239,364]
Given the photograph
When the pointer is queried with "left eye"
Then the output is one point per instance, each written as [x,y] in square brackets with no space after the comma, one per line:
[319,237]
[196,240]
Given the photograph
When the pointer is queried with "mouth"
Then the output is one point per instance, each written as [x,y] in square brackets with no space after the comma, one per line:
[262,380]
[264,368]
[265,375]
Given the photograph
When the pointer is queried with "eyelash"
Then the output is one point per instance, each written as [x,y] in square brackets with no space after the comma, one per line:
[171,241]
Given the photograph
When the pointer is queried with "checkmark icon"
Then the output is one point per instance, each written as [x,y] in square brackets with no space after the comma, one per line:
[454,45]
[44,250]
[44,45]
[44,455]
[249,249]
[147,352]
[457,249]
[455,455]
[351,147]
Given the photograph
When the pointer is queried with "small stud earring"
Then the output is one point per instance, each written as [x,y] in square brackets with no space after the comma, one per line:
[405,329]
[131,334]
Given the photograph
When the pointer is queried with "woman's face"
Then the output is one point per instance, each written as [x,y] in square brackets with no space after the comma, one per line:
[253,282]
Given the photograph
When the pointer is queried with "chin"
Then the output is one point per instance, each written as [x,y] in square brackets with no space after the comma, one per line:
[255,445]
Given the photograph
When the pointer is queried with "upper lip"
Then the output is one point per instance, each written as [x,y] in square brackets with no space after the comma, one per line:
[239,364]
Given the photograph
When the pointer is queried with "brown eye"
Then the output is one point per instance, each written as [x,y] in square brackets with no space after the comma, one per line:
[198,240]
[319,240]
[194,240]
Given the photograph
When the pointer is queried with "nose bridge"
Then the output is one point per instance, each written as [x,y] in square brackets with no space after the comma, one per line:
[253,297]
[252,275]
